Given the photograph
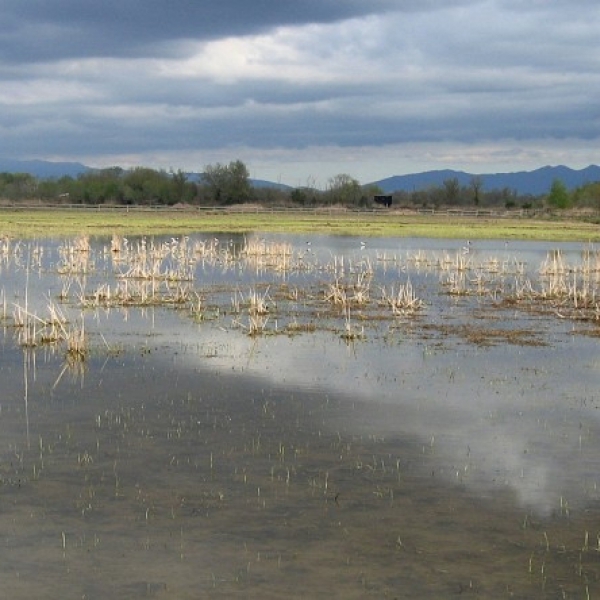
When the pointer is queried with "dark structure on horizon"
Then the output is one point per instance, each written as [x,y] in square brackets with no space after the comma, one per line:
[383,200]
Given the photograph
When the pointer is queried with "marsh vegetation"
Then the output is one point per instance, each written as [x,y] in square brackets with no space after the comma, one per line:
[298,416]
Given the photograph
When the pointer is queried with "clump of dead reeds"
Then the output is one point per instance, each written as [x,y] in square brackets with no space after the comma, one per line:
[456,283]
[76,342]
[356,293]
[118,245]
[336,294]
[258,304]
[50,329]
[554,264]
[568,290]
[403,300]
[257,324]
[169,261]
[75,256]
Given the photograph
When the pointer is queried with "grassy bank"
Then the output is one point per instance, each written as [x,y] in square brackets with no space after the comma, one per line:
[56,222]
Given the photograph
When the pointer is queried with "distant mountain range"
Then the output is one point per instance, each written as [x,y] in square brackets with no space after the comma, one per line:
[523,182]
[43,169]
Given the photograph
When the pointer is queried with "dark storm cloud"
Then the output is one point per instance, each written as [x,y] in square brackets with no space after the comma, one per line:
[53,29]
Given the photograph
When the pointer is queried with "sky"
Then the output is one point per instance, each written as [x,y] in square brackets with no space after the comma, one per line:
[302,91]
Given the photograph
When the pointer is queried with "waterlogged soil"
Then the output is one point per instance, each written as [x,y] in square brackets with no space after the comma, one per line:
[431,455]
[156,480]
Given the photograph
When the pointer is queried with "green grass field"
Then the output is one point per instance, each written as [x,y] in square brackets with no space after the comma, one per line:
[34,223]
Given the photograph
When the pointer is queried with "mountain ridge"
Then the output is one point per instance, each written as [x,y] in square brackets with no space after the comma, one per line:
[534,182]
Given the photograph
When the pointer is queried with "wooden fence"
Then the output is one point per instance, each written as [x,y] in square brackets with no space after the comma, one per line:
[249,209]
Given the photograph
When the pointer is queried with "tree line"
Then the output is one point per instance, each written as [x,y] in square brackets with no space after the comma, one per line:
[227,184]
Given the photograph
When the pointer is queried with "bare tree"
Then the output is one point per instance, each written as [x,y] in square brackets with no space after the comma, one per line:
[476,186]
[451,190]
[343,189]
[228,184]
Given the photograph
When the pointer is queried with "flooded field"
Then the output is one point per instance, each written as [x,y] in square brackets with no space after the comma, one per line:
[285,416]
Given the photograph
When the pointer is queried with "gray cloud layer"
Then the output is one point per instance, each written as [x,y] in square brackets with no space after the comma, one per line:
[300,88]
[49,29]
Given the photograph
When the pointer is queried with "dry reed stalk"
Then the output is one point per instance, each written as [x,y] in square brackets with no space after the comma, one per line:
[456,283]
[554,286]
[4,246]
[261,247]
[28,335]
[176,293]
[257,324]
[274,256]
[351,332]
[361,289]
[76,342]
[462,262]
[337,294]
[20,316]
[581,292]
[117,244]
[197,305]
[480,283]
[206,250]
[171,262]
[384,258]
[554,264]
[494,265]
[419,258]
[337,266]
[74,259]
[4,303]
[259,304]
[236,302]
[82,243]
[524,289]
[34,330]
[66,282]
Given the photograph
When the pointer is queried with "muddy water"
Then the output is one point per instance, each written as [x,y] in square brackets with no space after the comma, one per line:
[184,458]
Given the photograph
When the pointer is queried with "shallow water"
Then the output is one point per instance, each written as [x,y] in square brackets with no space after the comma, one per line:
[184,458]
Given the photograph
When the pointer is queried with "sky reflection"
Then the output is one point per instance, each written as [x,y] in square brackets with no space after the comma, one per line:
[519,417]
[507,416]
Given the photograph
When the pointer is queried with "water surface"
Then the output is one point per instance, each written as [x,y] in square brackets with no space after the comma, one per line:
[430,454]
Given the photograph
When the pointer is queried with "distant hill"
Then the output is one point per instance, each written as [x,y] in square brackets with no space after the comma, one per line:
[43,169]
[523,182]
[261,183]
[256,183]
